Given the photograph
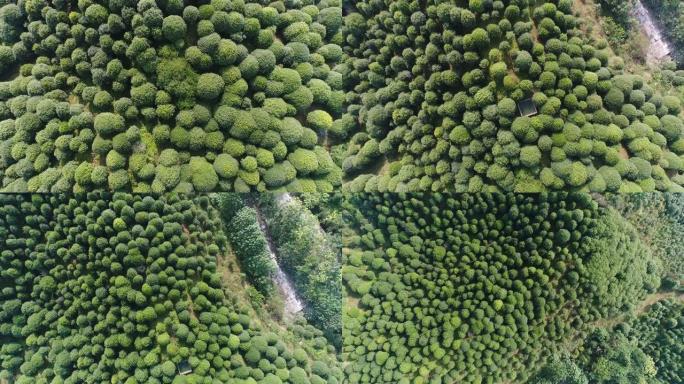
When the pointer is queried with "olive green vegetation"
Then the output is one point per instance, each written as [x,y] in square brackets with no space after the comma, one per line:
[433,87]
[659,220]
[309,257]
[669,80]
[659,333]
[646,349]
[247,240]
[154,96]
[127,288]
[481,287]
[393,96]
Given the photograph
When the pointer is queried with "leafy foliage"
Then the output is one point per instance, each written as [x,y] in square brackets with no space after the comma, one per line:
[659,220]
[643,349]
[247,239]
[659,333]
[618,10]
[432,89]
[475,286]
[613,358]
[116,84]
[124,288]
[310,258]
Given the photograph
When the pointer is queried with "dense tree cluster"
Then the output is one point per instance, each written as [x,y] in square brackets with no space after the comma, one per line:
[618,10]
[153,96]
[328,209]
[481,287]
[312,260]
[608,358]
[126,288]
[659,220]
[247,240]
[644,349]
[164,95]
[669,76]
[433,90]
[659,333]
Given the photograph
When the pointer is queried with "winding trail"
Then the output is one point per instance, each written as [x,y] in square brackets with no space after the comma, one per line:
[641,307]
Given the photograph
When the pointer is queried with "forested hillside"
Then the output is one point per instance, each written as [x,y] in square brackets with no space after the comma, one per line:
[168,95]
[488,287]
[670,14]
[643,349]
[341,192]
[132,289]
[512,95]
[304,96]
[659,220]
[310,256]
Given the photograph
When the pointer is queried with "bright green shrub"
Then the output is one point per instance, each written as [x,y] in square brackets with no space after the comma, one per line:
[174,28]
[204,177]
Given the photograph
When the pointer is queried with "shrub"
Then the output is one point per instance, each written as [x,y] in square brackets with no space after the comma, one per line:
[118,180]
[614,99]
[174,28]
[204,177]
[523,61]
[107,124]
[530,156]
[144,95]
[304,161]
[301,99]
[96,14]
[498,70]
[671,127]
[226,166]
[319,120]
[280,174]
[523,129]
[209,86]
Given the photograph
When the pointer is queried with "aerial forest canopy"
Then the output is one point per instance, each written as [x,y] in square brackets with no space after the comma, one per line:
[302,249]
[481,287]
[509,95]
[253,95]
[128,289]
[659,220]
[164,95]
[643,349]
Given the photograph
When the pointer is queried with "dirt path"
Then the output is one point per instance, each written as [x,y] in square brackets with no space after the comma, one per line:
[643,306]
[622,152]
[656,297]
